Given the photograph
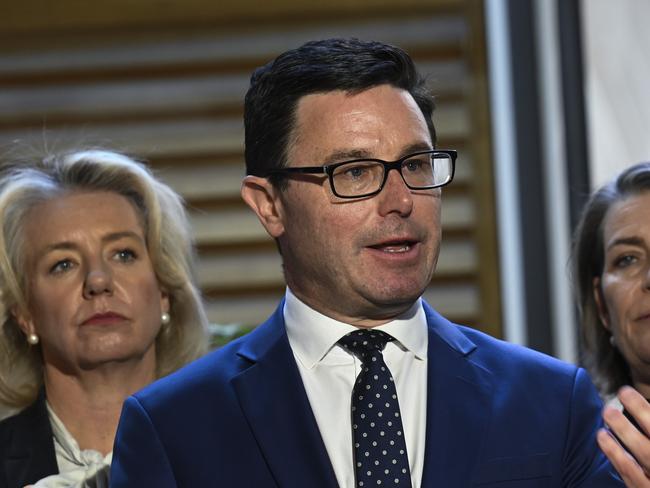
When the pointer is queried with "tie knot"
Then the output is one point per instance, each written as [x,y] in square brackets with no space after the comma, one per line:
[362,342]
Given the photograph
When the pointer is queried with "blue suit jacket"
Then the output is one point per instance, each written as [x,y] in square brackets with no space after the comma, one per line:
[498,415]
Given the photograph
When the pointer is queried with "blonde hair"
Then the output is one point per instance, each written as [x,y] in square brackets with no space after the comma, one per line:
[169,243]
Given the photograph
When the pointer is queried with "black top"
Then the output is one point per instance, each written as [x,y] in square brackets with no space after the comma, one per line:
[26,446]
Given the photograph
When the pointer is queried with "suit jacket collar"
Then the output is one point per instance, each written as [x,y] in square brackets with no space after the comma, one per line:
[458,404]
[274,401]
[30,454]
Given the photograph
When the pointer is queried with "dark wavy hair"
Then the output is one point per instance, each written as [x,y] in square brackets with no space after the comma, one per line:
[351,65]
[605,362]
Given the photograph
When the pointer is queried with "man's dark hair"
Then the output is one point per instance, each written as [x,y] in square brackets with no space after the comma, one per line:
[351,65]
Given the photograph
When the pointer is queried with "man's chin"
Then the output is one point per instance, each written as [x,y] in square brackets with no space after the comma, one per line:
[389,305]
[397,290]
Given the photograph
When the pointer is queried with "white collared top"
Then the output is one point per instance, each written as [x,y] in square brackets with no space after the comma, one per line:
[77,468]
[328,373]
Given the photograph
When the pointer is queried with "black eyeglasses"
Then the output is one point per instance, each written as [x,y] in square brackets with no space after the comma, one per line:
[358,178]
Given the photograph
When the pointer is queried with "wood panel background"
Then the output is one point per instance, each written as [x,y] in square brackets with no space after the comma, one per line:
[165,80]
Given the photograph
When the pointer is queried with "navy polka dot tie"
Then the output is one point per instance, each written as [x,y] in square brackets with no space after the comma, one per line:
[380,457]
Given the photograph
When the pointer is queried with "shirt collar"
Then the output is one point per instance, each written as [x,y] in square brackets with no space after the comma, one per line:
[312,335]
[67,446]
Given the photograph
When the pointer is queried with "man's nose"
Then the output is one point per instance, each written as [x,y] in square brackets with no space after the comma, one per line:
[395,196]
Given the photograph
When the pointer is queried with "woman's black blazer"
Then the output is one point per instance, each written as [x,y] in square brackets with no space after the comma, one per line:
[26,447]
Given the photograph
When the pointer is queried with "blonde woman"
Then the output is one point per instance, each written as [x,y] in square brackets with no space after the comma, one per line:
[97,300]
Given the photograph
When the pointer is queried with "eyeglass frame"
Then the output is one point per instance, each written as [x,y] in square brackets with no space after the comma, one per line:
[328,169]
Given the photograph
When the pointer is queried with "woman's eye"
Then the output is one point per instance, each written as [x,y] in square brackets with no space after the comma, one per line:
[624,261]
[125,255]
[61,266]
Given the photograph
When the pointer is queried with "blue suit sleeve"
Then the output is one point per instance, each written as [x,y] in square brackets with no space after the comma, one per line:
[586,465]
[139,457]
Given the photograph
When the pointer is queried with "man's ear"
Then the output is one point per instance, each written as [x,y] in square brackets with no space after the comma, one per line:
[601,307]
[264,199]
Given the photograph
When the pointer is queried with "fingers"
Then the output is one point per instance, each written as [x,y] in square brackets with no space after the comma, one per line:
[637,406]
[630,457]
[632,474]
[635,441]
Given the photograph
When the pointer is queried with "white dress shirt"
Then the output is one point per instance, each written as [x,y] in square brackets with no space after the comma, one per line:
[77,468]
[328,372]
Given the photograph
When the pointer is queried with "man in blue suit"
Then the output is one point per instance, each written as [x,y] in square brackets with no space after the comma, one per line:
[355,380]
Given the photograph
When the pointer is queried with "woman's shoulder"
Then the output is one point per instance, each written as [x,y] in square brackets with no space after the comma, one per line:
[30,418]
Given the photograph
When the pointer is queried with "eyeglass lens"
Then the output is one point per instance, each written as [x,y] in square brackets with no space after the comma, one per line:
[419,171]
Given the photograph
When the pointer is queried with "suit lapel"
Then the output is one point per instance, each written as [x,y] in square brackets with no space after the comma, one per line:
[458,405]
[274,401]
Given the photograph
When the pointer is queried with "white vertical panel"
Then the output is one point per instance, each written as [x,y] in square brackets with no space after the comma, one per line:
[505,167]
[554,168]
[616,42]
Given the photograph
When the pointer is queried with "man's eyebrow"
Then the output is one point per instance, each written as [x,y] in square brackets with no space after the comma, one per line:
[346,155]
[625,241]
[349,154]
[416,147]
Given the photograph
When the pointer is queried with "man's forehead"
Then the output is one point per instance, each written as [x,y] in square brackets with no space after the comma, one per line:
[345,125]
[357,111]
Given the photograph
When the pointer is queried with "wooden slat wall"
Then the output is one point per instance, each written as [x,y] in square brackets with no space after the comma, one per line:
[174,97]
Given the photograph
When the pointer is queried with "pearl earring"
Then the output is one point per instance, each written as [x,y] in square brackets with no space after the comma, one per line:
[165,318]
[32,339]
[612,341]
